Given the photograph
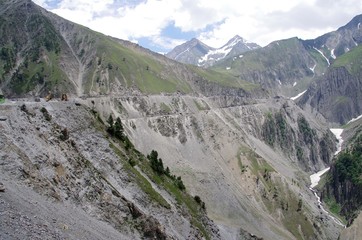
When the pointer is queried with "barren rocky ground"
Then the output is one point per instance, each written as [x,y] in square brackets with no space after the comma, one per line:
[71,185]
[77,188]
[211,145]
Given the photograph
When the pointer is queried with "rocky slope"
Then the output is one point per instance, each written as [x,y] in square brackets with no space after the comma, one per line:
[246,155]
[354,231]
[214,148]
[337,94]
[244,182]
[57,161]
[199,54]
[189,52]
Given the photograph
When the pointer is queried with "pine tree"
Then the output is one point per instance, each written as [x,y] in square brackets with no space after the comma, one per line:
[118,129]
[110,123]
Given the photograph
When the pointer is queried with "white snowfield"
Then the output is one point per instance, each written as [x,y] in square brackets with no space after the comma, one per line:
[354,119]
[312,68]
[332,54]
[338,133]
[222,51]
[315,178]
[299,95]
[323,55]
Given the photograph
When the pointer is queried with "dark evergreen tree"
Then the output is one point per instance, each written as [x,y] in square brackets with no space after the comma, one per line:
[180,184]
[118,129]
[156,163]
[167,172]
[110,123]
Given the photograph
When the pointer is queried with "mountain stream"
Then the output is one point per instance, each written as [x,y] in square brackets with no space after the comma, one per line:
[315,178]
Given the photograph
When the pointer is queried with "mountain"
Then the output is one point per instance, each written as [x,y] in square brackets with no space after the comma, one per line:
[147,147]
[284,67]
[189,52]
[47,53]
[337,94]
[338,42]
[288,66]
[197,53]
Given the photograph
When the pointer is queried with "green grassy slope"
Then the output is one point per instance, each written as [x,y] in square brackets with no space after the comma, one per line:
[280,64]
[40,51]
[352,61]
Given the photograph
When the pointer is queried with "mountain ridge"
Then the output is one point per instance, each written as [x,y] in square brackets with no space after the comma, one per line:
[235,142]
[197,53]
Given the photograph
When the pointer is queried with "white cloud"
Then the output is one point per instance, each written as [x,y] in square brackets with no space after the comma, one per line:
[167,42]
[215,21]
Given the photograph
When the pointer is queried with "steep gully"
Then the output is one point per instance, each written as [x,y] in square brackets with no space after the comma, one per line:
[315,178]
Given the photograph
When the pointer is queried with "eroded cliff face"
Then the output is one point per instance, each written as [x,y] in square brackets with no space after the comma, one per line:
[292,133]
[58,153]
[337,95]
[215,144]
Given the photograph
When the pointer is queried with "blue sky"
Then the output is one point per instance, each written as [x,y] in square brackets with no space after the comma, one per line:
[160,25]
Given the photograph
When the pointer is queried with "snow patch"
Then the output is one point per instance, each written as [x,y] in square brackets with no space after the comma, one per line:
[332,54]
[323,55]
[221,52]
[354,119]
[338,133]
[299,95]
[228,68]
[182,53]
[280,83]
[294,84]
[240,56]
[312,68]
[315,178]
[359,25]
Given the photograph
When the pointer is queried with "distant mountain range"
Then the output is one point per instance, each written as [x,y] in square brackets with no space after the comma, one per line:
[198,53]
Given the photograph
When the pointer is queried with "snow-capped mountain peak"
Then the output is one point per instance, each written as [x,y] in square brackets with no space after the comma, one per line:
[197,53]
[235,40]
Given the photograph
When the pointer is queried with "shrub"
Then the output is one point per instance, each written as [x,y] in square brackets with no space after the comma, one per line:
[132,162]
[64,134]
[46,114]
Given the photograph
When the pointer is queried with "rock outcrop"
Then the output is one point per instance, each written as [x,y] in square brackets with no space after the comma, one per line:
[337,95]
